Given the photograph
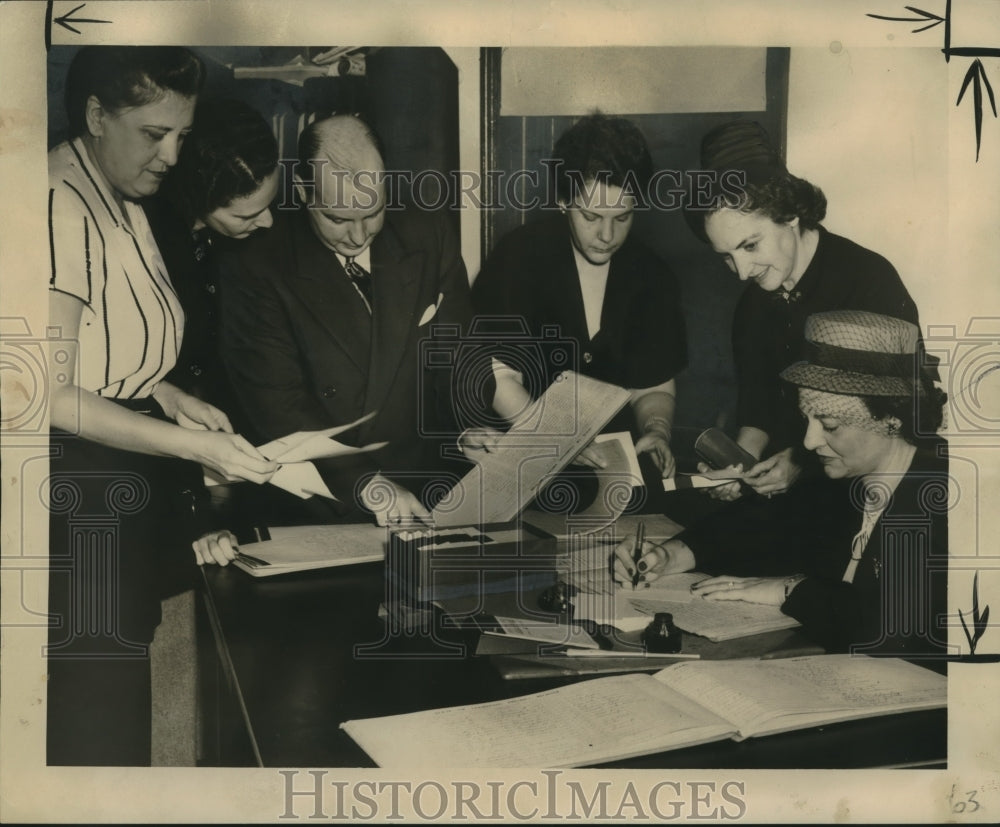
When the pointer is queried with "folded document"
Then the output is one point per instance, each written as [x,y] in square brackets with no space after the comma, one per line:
[296,473]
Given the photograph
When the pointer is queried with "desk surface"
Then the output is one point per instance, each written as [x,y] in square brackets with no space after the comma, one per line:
[306,652]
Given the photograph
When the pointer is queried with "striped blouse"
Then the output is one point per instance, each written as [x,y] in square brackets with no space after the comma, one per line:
[132,322]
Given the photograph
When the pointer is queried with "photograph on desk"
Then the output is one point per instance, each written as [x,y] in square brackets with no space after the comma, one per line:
[604,395]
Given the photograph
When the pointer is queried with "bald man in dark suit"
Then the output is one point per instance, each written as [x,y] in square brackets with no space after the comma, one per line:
[325,316]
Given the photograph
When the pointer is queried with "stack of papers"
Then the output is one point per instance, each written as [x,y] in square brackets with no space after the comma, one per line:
[300,548]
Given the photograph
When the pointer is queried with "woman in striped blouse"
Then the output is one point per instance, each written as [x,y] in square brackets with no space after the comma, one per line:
[126,442]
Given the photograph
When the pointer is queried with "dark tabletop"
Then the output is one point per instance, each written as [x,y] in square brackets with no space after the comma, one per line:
[306,652]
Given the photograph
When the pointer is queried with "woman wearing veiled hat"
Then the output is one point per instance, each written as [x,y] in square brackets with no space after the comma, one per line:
[769,233]
[866,568]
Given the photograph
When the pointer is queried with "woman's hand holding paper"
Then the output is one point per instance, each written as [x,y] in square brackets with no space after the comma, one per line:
[473,442]
[728,492]
[229,456]
[774,475]
[590,457]
[657,445]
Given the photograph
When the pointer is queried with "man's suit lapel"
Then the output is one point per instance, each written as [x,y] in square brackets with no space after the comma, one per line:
[325,290]
[395,290]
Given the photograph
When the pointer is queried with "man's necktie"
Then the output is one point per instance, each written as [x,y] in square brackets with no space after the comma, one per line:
[361,279]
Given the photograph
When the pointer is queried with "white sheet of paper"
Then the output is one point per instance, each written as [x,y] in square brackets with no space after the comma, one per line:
[707,479]
[305,445]
[297,475]
[301,479]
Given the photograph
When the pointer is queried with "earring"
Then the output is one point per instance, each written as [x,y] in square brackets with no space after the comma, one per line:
[893,427]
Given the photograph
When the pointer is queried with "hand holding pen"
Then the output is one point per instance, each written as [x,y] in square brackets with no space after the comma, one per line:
[640,538]
[627,557]
[638,560]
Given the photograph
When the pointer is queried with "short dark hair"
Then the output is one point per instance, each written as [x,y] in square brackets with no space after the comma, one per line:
[920,415]
[604,149]
[780,198]
[125,76]
[229,153]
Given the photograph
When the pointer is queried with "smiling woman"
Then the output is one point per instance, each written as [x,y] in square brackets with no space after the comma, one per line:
[768,232]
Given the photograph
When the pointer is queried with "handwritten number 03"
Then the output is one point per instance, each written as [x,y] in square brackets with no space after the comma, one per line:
[969,805]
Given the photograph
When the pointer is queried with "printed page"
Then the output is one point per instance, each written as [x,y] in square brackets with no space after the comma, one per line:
[763,697]
[584,723]
[553,430]
[618,451]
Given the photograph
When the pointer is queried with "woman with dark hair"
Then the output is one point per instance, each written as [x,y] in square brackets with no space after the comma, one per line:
[864,567]
[222,188]
[128,444]
[765,223]
[583,272]
[226,177]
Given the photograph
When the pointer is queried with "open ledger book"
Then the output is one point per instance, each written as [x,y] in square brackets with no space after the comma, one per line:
[689,703]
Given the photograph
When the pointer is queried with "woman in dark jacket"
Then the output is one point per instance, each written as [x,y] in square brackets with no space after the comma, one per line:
[765,223]
[580,277]
[226,177]
[864,566]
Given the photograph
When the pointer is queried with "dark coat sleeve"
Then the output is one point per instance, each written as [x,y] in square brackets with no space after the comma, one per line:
[264,360]
[897,602]
[653,333]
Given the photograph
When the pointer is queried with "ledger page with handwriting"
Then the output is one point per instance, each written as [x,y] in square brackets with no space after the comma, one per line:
[694,702]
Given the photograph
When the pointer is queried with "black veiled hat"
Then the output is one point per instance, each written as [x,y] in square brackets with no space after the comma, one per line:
[742,146]
[858,353]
